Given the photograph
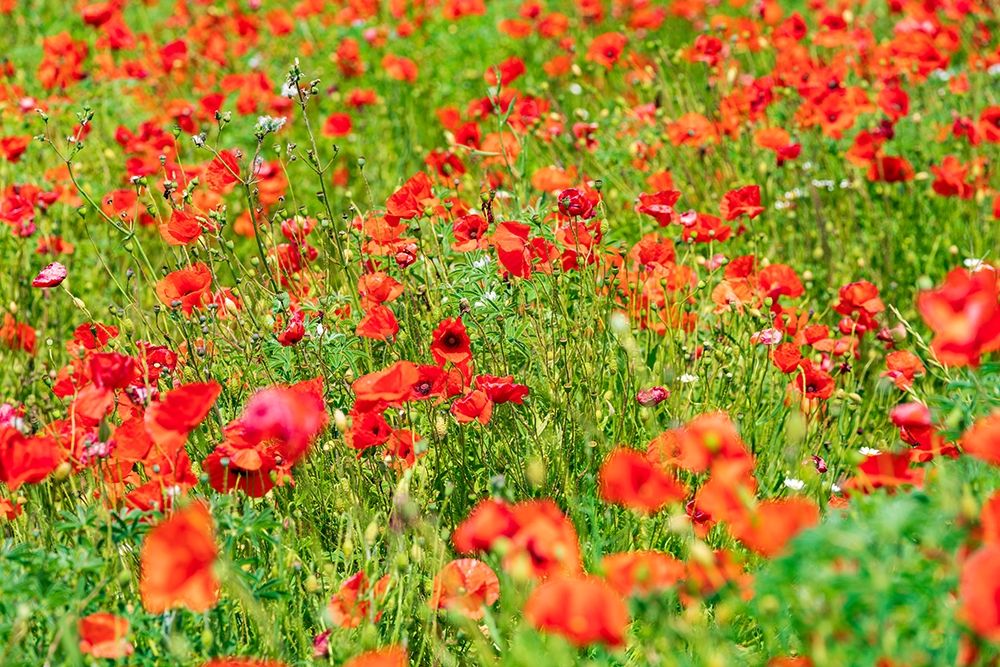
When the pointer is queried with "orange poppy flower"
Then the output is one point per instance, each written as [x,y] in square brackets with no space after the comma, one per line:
[583,609]
[389,385]
[352,603]
[902,366]
[979,592]
[708,437]
[964,314]
[190,287]
[628,478]
[488,521]
[25,460]
[641,572]
[474,406]
[102,635]
[465,586]
[691,129]
[394,656]
[982,439]
[774,522]
[169,420]
[545,542]
[177,561]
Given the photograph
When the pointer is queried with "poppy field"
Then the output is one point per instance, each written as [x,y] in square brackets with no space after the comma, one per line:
[487,332]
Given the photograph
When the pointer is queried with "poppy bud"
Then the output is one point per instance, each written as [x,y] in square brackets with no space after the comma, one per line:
[340,421]
[535,472]
[371,533]
[63,471]
[440,427]
[653,396]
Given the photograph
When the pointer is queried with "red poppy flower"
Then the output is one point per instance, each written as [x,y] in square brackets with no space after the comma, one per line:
[378,323]
[337,125]
[769,527]
[606,49]
[289,417]
[709,437]
[628,478]
[902,366]
[741,201]
[465,586]
[545,542]
[890,169]
[982,439]
[223,171]
[378,287]
[352,603]
[575,203]
[660,206]
[502,389]
[471,233]
[25,460]
[190,287]
[811,381]
[393,656]
[238,465]
[585,610]
[474,406]
[964,314]
[641,572]
[103,635]
[488,521]
[703,228]
[368,429]
[777,280]
[408,201]
[979,592]
[182,228]
[509,70]
[177,413]
[511,242]
[390,385]
[885,470]
[451,343]
[177,561]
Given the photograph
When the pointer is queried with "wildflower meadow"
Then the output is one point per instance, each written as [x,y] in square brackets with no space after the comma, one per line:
[540,333]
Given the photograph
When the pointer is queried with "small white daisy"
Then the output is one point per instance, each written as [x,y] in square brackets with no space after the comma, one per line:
[794,484]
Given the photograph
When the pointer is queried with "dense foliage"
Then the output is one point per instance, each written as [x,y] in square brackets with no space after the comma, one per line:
[454,332]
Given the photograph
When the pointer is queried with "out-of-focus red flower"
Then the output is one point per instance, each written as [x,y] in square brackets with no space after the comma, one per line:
[104,635]
[982,439]
[352,603]
[641,572]
[979,592]
[628,478]
[772,523]
[465,586]
[394,656]
[488,521]
[964,314]
[177,562]
[583,609]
